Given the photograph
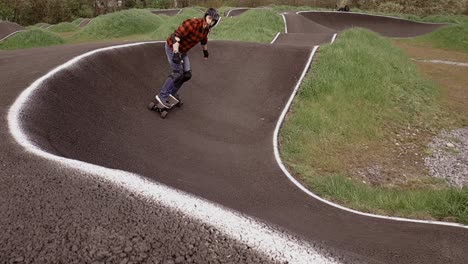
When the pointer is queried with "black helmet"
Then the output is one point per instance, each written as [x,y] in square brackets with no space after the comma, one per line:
[212,13]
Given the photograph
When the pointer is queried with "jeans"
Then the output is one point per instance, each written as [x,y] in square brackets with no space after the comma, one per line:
[173,83]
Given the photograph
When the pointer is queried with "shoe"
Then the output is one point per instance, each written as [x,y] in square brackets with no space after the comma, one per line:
[165,103]
[175,97]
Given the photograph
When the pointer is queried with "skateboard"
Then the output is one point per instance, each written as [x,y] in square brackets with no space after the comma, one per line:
[161,109]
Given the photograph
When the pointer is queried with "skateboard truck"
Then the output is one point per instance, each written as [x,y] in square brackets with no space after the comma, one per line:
[164,110]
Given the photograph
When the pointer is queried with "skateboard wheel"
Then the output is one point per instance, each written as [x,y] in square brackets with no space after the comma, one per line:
[151,106]
[180,104]
[163,114]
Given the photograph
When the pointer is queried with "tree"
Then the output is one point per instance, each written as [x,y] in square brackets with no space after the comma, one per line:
[6,12]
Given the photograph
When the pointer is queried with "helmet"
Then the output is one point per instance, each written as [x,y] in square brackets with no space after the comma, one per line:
[212,13]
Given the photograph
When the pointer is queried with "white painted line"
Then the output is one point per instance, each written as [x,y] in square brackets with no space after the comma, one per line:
[85,20]
[304,189]
[267,240]
[219,22]
[334,38]
[285,23]
[248,8]
[11,34]
[463,64]
[277,35]
[358,13]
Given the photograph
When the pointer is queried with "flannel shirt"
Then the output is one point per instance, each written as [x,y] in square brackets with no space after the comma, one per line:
[190,33]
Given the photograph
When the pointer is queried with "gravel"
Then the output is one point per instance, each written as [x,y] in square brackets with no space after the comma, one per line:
[449,157]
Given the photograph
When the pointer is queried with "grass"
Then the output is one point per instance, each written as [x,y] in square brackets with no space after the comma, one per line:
[77,21]
[63,27]
[240,28]
[445,204]
[361,83]
[361,90]
[31,38]
[453,37]
[454,19]
[119,24]
[38,25]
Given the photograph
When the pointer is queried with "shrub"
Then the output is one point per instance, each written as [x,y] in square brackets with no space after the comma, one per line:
[390,7]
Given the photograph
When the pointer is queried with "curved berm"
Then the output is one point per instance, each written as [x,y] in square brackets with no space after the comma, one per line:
[235,12]
[301,31]
[386,26]
[7,28]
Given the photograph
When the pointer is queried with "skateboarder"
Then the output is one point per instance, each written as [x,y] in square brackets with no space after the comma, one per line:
[190,33]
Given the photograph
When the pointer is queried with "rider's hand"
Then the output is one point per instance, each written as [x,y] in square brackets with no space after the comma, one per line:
[205,54]
[176,58]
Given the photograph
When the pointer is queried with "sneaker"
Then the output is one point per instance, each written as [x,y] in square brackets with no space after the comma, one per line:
[175,97]
[165,103]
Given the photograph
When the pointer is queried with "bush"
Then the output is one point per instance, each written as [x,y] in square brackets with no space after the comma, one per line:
[85,11]
[6,12]
[390,8]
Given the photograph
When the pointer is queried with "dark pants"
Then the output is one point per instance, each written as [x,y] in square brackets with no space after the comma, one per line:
[176,79]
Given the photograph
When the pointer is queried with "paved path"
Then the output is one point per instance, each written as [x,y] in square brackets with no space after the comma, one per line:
[8,28]
[386,26]
[218,147]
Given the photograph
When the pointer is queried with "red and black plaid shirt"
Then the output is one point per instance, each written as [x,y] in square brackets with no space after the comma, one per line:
[190,33]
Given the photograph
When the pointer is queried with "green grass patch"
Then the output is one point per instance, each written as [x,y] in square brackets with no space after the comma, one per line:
[254,25]
[63,27]
[445,204]
[77,21]
[31,38]
[453,37]
[454,19]
[120,24]
[361,90]
[360,83]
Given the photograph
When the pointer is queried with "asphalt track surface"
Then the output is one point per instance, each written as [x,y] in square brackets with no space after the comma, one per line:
[217,147]
[84,22]
[7,28]
[385,26]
